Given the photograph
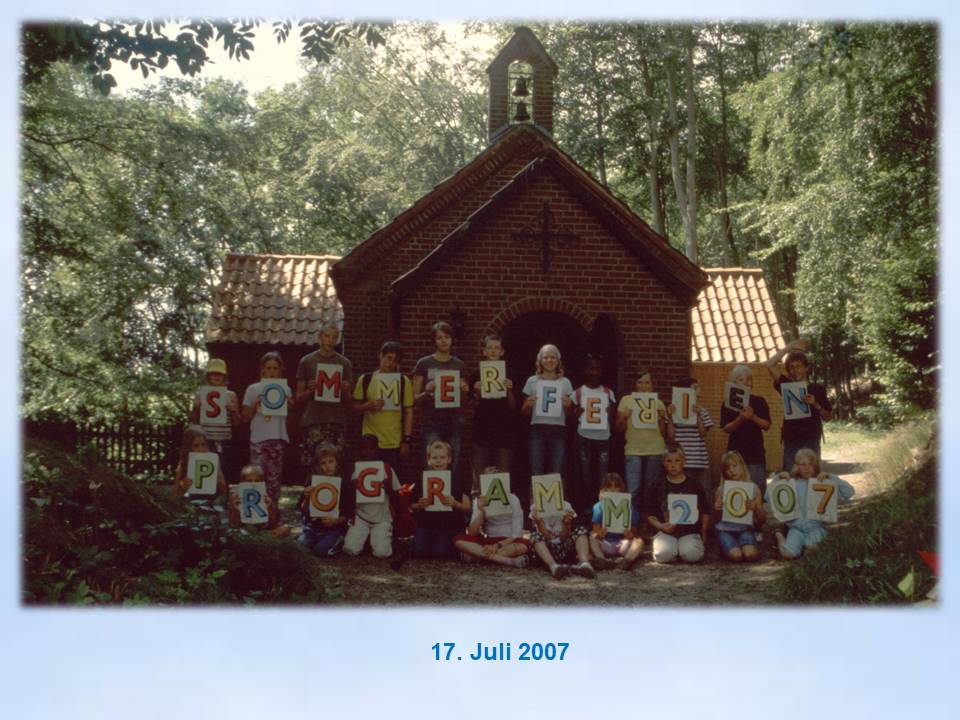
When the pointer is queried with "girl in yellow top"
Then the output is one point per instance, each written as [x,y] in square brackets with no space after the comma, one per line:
[644,446]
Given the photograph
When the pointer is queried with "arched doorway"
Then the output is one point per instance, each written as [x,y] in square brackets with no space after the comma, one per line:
[522,339]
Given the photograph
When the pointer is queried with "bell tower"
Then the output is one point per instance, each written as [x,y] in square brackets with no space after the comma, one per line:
[521,85]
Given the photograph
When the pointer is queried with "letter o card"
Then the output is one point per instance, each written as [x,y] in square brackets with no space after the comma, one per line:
[213,405]
[782,495]
[202,470]
[436,486]
[683,508]
[495,488]
[253,505]
[794,408]
[683,400]
[548,494]
[644,415]
[329,383]
[446,389]
[595,404]
[493,379]
[738,502]
[370,476]
[325,500]
[735,397]
[617,511]
[822,500]
[549,400]
[273,397]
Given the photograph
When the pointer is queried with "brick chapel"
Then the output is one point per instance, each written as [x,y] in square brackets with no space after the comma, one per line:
[521,241]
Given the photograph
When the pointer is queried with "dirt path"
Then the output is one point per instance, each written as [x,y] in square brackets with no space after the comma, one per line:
[366,581]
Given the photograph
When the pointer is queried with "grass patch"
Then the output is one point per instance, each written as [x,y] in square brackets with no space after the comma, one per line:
[95,536]
[863,560]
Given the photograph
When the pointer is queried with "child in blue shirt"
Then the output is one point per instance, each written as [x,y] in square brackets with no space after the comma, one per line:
[626,547]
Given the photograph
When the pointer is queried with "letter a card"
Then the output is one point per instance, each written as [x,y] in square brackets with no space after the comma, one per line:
[495,488]
[325,496]
[617,511]
[202,470]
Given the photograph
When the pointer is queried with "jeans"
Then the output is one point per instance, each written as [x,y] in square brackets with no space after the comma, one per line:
[546,445]
[643,473]
[758,473]
[448,429]
[731,540]
[436,543]
[321,542]
[593,459]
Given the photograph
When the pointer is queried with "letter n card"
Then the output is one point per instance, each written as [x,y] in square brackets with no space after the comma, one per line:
[495,488]
[325,496]
[794,408]
[213,405]
[437,485]
[202,470]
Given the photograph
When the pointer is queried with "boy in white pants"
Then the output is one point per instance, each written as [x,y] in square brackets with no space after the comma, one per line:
[685,537]
[374,486]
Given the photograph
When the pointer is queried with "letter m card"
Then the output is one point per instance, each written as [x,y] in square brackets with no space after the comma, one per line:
[329,383]
[794,408]
[548,494]
[213,405]
[202,469]
[325,499]
[495,487]
[617,510]
[437,485]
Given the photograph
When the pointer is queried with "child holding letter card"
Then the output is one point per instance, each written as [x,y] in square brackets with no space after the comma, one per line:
[495,537]
[217,410]
[194,443]
[684,536]
[745,427]
[644,445]
[737,539]
[815,491]
[494,427]
[546,403]
[374,484]
[615,527]
[594,405]
[436,530]
[691,434]
[324,507]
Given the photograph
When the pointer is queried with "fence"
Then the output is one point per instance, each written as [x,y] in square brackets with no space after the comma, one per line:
[128,447]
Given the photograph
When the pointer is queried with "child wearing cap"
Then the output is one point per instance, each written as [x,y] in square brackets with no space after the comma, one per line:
[220,436]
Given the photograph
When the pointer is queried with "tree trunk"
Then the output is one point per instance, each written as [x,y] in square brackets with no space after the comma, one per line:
[723,161]
[674,143]
[692,249]
[653,122]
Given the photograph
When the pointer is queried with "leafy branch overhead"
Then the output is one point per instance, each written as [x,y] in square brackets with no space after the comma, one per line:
[151,45]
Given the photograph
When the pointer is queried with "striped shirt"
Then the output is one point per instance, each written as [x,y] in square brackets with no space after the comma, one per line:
[694,448]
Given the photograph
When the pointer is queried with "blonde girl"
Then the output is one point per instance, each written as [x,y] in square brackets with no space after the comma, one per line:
[194,440]
[547,439]
[737,541]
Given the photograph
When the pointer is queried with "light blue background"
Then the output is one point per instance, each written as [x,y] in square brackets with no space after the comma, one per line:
[287,663]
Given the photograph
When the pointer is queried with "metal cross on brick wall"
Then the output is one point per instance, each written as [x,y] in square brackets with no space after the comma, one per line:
[546,235]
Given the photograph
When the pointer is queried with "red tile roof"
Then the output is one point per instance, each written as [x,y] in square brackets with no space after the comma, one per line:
[734,320]
[273,299]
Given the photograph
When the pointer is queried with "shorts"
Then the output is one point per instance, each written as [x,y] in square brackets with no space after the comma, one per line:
[484,540]
[614,548]
[562,549]
[730,540]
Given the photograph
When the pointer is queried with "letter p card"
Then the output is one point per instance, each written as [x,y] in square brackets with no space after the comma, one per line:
[617,510]
[495,487]
[202,470]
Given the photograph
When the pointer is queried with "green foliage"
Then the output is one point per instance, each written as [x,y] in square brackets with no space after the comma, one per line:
[92,536]
[864,560]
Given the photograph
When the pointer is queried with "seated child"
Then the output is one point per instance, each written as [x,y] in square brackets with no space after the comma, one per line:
[371,520]
[683,540]
[803,533]
[194,440]
[557,542]
[626,547]
[737,541]
[497,538]
[323,536]
[254,473]
[437,529]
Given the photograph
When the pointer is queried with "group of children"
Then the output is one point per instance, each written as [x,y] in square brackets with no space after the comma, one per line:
[667,478]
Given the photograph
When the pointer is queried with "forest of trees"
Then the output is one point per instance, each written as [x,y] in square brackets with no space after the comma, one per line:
[807,149]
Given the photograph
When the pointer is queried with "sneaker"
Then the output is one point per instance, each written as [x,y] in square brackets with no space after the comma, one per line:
[622,564]
[584,569]
[759,536]
[603,563]
[559,572]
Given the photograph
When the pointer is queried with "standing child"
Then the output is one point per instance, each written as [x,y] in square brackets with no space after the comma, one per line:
[371,520]
[625,547]
[495,539]
[593,444]
[493,429]
[692,437]
[679,539]
[268,433]
[737,541]
[323,536]
[644,446]
[220,436]
[439,423]
[746,428]
[391,426]
[558,542]
[194,440]
[547,430]
[437,529]
[803,534]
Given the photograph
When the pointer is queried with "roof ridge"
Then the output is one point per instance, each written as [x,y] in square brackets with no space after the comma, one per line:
[286,256]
